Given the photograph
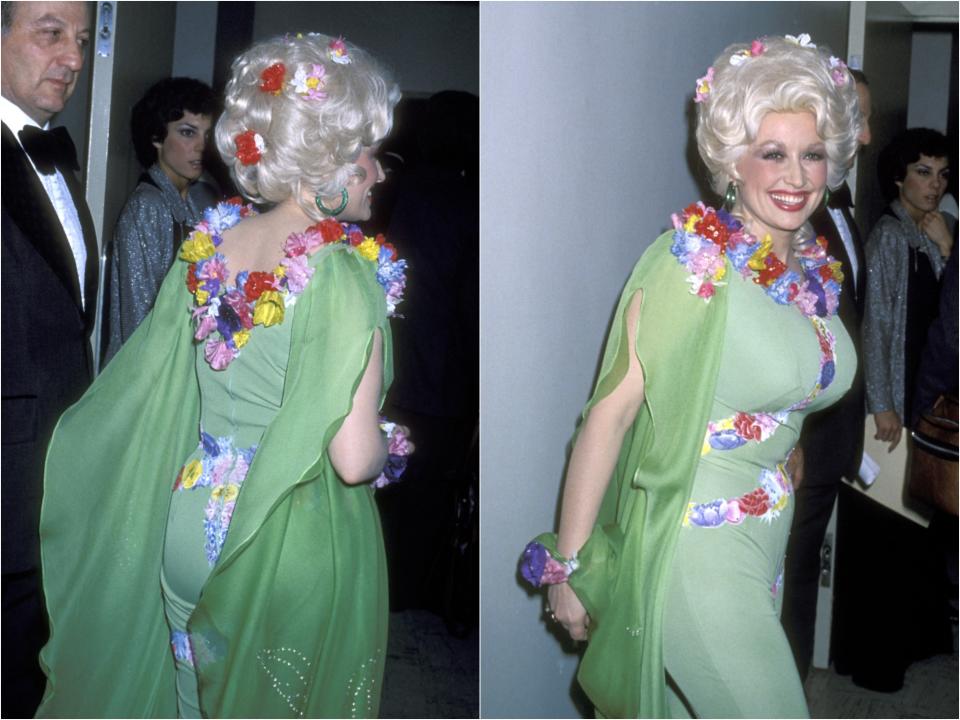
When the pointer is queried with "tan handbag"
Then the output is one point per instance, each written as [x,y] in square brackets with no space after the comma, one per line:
[933,464]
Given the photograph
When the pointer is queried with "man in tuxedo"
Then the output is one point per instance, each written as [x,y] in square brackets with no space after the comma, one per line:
[49,287]
[832,439]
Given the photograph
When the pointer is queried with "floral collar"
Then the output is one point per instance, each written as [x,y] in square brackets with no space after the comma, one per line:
[704,237]
[225,314]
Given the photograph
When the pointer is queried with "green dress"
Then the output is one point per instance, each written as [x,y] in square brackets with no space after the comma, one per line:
[625,568]
[723,643]
[290,618]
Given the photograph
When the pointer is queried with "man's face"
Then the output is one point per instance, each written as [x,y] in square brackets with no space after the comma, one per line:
[42,54]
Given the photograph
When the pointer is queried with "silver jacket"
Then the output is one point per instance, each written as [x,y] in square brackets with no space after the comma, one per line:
[885,313]
[144,248]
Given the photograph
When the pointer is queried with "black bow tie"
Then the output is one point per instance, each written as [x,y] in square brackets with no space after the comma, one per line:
[49,149]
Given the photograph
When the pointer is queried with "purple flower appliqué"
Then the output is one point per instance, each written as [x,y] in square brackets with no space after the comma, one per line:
[533,562]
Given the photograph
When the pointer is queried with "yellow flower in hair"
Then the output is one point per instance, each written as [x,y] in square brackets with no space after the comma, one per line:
[269,309]
[369,249]
[202,297]
[191,473]
[197,247]
[240,338]
[691,224]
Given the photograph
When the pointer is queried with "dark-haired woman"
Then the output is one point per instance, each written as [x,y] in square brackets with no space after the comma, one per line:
[170,126]
[906,253]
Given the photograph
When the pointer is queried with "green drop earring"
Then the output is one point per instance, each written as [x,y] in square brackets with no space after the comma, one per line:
[730,197]
[344,198]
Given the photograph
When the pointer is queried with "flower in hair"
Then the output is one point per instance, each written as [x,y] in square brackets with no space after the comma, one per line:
[838,71]
[756,49]
[337,51]
[250,147]
[311,83]
[803,40]
[704,86]
[271,79]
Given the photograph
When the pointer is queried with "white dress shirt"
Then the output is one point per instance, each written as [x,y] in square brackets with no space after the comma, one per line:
[847,237]
[56,187]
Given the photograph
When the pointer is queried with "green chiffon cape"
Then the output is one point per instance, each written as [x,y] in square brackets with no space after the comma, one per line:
[293,618]
[624,566]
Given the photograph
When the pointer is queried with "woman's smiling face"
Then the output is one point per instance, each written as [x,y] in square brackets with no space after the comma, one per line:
[782,174]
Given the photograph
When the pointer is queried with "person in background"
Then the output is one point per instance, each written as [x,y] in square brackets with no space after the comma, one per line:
[906,253]
[49,288]
[832,439]
[170,126]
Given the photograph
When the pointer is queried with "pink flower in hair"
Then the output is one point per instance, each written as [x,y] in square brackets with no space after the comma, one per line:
[704,86]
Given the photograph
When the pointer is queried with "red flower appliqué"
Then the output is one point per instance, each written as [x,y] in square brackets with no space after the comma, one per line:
[192,278]
[712,229]
[755,503]
[746,427]
[330,230]
[257,284]
[773,268]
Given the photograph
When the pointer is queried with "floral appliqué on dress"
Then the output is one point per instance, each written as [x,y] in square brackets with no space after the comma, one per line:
[222,468]
[225,314]
[703,240]
[764,502]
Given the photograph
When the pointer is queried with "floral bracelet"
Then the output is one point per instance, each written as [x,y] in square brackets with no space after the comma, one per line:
[398,448]
[539,566]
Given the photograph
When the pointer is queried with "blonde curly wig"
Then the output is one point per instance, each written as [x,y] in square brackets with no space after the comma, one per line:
[310,145]
[786,77]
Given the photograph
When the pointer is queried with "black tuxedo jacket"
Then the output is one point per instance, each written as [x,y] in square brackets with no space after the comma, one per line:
[832,439]
[44,335]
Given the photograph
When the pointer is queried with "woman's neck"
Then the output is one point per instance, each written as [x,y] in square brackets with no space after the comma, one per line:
[915,213]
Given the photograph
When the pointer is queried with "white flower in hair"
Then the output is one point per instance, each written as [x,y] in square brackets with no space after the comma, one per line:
[803,40]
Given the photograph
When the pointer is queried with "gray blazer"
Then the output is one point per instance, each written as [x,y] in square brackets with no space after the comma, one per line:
[144,248]
[885,313]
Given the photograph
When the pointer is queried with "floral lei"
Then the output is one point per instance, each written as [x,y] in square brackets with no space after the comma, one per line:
[703,237]
[226,314]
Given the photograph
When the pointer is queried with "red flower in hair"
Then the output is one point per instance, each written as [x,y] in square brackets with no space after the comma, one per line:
[271,79]
[249,147]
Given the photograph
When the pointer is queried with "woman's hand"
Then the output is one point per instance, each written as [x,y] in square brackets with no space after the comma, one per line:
[889,428]
[935,227]
[567,610]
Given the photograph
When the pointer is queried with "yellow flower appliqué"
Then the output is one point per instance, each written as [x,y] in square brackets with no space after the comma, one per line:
[197,247]
[369,249]
[191,473]
[269,309]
